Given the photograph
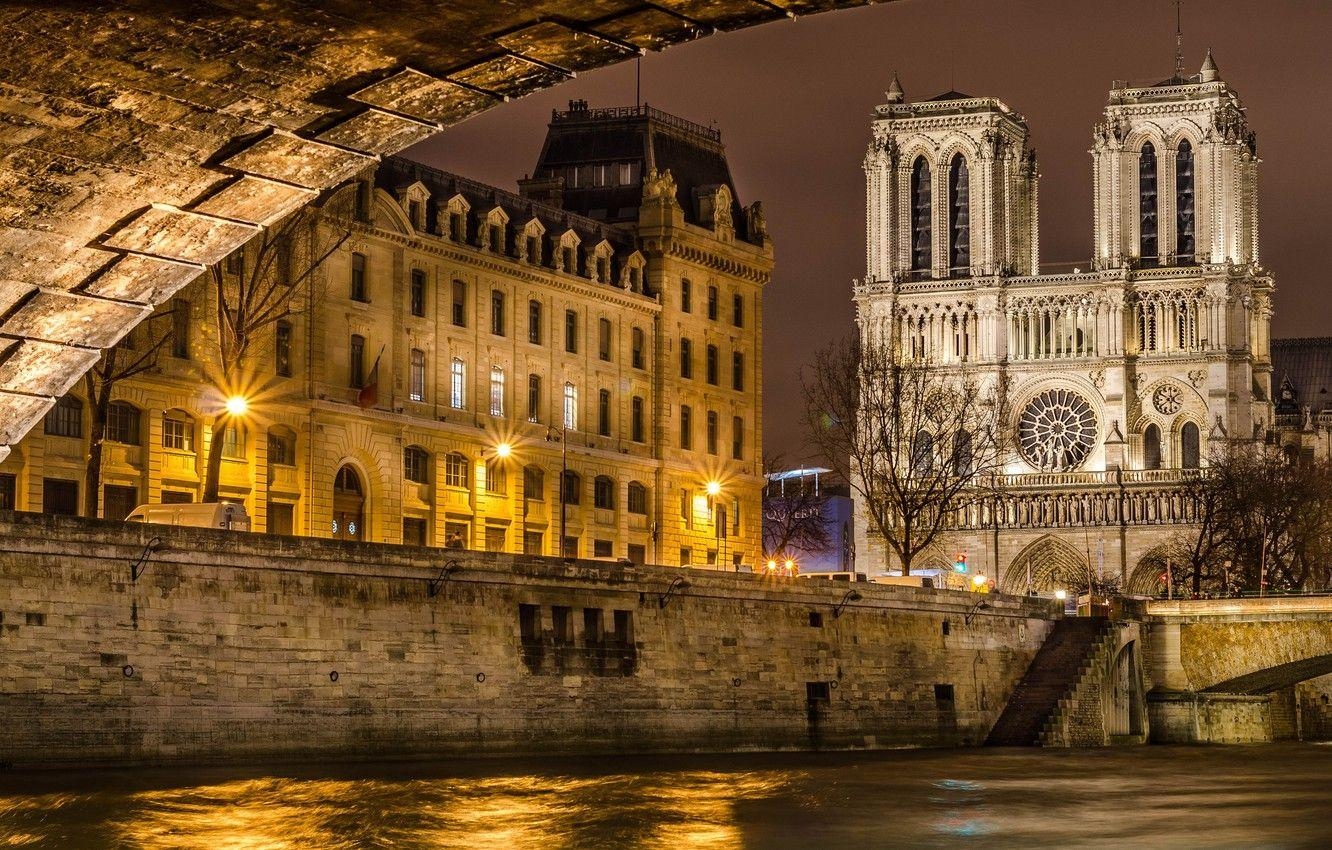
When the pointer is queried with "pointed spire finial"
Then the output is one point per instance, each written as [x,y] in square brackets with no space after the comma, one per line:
[895,93]
[1209,73]
[1179,43]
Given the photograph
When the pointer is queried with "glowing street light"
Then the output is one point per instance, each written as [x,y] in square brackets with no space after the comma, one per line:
[503,450]
[1061,595]
[714,488]
[237,405]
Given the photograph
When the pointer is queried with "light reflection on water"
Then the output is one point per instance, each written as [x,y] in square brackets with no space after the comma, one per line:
[1275,795]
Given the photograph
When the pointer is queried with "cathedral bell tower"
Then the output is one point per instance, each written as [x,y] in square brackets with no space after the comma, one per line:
[950,189]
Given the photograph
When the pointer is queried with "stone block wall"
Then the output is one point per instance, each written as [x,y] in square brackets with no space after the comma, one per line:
[233,646]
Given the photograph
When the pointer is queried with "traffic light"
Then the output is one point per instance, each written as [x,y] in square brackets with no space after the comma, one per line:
[960,565]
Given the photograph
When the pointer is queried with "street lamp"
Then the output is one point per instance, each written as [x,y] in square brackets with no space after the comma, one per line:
[237,405]
[713,489]
[564,472]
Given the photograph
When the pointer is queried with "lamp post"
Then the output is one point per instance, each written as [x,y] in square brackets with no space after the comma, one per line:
[564,471]
[714,490]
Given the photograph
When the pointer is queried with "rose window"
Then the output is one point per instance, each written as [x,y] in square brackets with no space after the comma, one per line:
[1057,430]
[1167,399]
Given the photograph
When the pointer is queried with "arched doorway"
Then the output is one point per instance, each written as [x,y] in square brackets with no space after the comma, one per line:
[1123,698]
[1047,565]
[348,505]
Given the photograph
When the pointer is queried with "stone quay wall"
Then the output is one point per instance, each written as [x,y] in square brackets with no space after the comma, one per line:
[240,647]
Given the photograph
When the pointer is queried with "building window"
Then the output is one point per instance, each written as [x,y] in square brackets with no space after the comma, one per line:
[686,295]
[638,358]
[497,238]
[418,292]
[1147,205]
[122,423]
[233,442]
[359,290]
[180,328]
[497,476]
[712,303]
[496,391]
[282,349]
[65,419]
[356,362]
[603,493]
[534,398]
[603,412]
[1188,444]
[117,502]
[637,499]
[567,259]
[686,358]
[737,438]
[712,367]
[414,531]
[8,491]
[414,213]
[603,270]
[738,310]
[635,279]
[457,372]
[457,230]
[571,331]
[455,471]
[737,371]
[959,217]
[177,433]
[534,484]
[60,496]
[1184,245]
[497,312]
[572,488]
[636,429]
[1151,448]
[604,339]
[534,250]
[416,464]
[459,304]
[920,215]
[570,407]
[686,427]
[712,432]
[416,378]
[281,449]
[234,264]
[534,322]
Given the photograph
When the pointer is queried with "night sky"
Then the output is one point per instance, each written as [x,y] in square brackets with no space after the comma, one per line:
[793,101]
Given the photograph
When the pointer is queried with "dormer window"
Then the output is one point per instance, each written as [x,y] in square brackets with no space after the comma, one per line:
[414,213]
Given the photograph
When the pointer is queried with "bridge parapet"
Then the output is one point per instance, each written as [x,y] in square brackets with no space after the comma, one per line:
[1249,609]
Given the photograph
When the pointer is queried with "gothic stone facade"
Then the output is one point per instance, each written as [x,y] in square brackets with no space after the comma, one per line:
[625,350]
[1119,376]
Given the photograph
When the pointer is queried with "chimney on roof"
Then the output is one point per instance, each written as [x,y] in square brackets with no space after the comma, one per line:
[578,106]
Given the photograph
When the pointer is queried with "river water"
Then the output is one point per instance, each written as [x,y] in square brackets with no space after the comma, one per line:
[1261,796]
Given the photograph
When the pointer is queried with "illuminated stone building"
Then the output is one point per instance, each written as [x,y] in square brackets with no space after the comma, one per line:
[602,326]
[1119,374]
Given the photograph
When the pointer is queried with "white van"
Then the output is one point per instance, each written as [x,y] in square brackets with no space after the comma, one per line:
[229,515]
[839,576]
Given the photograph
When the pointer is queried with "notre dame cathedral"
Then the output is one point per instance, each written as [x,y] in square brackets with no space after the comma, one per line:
[1119,375]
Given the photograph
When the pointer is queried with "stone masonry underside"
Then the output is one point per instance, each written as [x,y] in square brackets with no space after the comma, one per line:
[141,142]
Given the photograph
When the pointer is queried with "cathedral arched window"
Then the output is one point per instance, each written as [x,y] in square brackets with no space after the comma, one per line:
[922,453]
[1184,244]
[920,215]
[1147,249]
[1189,455]
[963,457]
[959,218]
[1151,448]
[1147,327]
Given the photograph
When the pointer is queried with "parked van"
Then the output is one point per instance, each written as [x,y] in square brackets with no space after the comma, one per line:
[229,515]
[912,580]
[840,576]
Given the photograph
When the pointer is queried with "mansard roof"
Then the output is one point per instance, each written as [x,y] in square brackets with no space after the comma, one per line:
[1305,366]
[645,138]
[396,172]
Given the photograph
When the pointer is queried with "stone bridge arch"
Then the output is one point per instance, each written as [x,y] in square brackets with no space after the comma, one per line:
[147,140]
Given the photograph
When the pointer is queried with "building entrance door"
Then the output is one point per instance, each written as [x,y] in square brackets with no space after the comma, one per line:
[348,506]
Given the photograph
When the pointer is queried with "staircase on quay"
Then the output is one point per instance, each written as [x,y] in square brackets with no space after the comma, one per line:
[1059,667]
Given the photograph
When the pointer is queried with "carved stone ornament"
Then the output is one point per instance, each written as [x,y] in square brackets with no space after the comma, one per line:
[1097,377]
[1197,376]
[1057,430]
[1167,399]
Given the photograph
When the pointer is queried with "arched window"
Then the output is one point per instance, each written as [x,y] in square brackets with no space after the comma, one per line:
[603,492]
[1189,456]
[348,505]
[920,215]
[1151,448]
[455,470]
[922,453]
[959,218]
[1184,244]
[963,459]
[1147,205]
[637,499]
[416,464]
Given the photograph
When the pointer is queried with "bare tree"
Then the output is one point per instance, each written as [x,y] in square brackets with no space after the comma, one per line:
[793,516]
[271,283]
[918,442]
[135,354]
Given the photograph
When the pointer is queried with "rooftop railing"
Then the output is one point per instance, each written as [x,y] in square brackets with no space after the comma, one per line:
[614,113]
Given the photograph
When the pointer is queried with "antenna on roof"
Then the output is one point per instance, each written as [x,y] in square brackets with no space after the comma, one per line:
[638,85]
[1179,43]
